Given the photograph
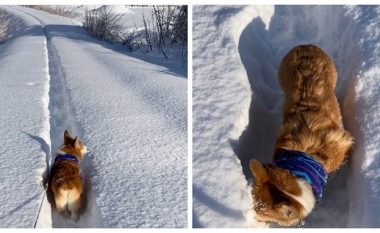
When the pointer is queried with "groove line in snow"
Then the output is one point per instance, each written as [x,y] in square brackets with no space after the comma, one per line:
[62,118]
[57,101]
[46,130]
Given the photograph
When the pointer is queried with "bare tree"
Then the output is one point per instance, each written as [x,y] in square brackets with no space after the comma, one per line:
[147,35]
[180,29]
[159,17]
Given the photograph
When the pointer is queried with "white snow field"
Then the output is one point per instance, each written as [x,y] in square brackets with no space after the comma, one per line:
[131,114]
[237,106]
[132,16]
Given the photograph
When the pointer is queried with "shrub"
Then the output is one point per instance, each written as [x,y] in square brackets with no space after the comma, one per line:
[102,23]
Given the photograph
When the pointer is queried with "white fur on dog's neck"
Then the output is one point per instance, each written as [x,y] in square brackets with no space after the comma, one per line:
[307,198]
[59,152]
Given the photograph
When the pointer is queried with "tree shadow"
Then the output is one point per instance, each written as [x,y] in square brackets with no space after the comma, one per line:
[46,149]
[214,205]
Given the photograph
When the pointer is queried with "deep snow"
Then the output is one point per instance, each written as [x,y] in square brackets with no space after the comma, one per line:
[237,106]
[132,115]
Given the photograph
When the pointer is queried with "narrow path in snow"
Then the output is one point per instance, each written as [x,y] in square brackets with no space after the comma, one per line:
[261,51]
[61,118]
[237,51]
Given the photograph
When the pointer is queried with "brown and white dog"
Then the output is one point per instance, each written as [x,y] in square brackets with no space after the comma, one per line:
[65,180]
[312,129]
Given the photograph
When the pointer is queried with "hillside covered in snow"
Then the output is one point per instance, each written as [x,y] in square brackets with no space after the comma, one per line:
[237,106]
[131,113]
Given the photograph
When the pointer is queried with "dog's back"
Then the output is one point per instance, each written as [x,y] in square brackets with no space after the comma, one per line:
[312,120]
[65,181]
[311,143]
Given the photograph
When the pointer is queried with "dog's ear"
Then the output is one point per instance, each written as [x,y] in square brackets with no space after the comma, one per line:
[76,143]
[287,211]
[284,181]
[258,171]
[67,137]
[66,134]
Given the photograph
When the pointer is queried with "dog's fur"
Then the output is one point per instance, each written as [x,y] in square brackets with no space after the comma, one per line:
[65,181]
[312,124]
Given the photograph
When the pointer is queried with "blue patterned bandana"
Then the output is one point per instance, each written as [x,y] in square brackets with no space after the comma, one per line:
[303,166]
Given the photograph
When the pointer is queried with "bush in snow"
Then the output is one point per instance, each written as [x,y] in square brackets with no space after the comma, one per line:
[170,27]
[8,25]
[102,23]
[3,26]
[166,31]
[180,30]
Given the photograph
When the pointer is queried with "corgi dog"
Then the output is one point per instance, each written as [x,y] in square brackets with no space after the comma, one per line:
[65,180]
[311,144]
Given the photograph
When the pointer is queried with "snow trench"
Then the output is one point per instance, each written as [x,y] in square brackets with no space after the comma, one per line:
[261,48]
[61,118]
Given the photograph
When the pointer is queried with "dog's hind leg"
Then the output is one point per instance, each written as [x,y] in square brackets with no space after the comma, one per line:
[74,203]
[60,200]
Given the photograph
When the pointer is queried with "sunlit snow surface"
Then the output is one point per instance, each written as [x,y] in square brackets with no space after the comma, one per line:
[131,113]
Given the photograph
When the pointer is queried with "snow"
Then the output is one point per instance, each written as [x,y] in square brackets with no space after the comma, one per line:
[365,93]
[131,16]
[120,9]
[131,113]
[23,126]
[237,106]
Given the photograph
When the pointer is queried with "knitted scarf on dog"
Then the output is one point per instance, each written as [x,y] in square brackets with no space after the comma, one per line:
[303,166]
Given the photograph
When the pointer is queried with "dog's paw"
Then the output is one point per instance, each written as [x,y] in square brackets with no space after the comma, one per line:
[74,217]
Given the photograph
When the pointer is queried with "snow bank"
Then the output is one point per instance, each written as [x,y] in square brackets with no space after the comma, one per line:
[362,101]
[221,97]
[24,124]
[349,35]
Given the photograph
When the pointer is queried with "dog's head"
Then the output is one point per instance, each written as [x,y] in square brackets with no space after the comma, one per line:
[276,195]
[73,145]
